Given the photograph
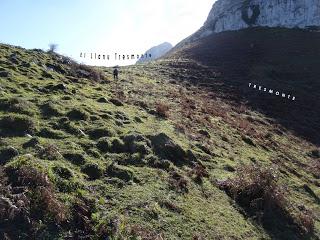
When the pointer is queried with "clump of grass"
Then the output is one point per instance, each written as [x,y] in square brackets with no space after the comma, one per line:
[50,133]
[97,133]
[104,145]
[117,145]
[70,127]
[170,206]
[16,125]
[75,158]
[166,148]
[121,172]
[17,105]
[315,153]
[32,143]
[93,171]
[77,114]
[49,109]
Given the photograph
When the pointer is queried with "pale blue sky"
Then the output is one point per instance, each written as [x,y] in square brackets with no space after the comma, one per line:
[103,26]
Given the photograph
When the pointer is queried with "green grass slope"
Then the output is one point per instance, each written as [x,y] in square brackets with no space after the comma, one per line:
[149,156]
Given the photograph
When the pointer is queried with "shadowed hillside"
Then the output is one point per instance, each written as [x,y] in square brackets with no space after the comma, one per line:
[280,59]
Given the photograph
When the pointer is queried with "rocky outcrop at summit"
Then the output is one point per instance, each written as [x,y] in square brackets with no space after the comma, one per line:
[229,15]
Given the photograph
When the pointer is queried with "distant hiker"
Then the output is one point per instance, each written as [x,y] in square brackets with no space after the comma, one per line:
[115,73]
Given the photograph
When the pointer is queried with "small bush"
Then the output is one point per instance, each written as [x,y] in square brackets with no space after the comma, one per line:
[84,71]
[252,184]
[49,152]
[304,219]
[28,176]
[82,212]
[256,189]
[162,110]
[43,203]
[52,48]
[198,173]
[178,182]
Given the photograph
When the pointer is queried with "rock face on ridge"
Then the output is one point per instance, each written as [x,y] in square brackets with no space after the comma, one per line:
[229,15]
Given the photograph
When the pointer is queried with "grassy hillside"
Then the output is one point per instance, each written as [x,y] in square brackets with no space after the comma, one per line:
[150,156]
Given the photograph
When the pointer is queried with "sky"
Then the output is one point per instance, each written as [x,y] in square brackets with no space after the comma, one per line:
[100,26]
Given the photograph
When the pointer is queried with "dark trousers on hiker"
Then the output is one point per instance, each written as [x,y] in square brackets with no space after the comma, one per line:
[115,76]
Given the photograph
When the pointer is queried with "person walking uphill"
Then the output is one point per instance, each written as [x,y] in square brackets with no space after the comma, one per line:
[115,73]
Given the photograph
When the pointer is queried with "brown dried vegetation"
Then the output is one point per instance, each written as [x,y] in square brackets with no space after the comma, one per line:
[257,191]
[28,198]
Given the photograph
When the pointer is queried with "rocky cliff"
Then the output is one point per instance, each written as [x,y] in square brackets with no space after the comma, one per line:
[227,15]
